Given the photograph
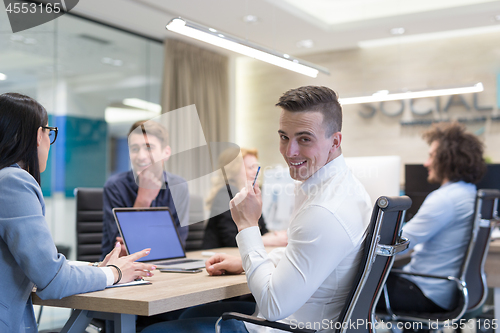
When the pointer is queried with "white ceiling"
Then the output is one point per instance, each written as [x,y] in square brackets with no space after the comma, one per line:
[330,24]
[80,60]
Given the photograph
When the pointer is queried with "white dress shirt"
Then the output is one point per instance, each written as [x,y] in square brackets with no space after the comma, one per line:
[110,276]
[307,282]
[441,231]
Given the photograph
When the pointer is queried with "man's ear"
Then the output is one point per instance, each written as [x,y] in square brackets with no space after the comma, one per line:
[167,151]
[337,140]
[39,134]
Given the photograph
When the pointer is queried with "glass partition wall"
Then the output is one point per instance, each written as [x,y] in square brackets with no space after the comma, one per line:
[83,73]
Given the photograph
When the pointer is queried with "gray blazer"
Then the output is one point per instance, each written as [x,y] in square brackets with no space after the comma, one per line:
[29,257]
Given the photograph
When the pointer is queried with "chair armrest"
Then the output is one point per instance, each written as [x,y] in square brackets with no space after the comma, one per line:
[392,250]
[260,322]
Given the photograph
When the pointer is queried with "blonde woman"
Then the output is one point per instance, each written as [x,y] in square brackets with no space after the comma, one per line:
[221,230]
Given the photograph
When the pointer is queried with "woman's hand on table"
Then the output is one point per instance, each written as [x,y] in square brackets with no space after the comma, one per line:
[130,269]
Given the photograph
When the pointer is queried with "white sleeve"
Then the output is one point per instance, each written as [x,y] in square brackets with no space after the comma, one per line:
[276,255]
[110,276]
[317,243]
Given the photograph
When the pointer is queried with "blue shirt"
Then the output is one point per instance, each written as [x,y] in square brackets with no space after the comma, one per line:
[440,233]
[121,191]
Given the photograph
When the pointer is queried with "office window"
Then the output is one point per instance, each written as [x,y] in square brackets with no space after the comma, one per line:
[77,68]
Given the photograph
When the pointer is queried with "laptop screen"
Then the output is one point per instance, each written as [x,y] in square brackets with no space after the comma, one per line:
[150,228]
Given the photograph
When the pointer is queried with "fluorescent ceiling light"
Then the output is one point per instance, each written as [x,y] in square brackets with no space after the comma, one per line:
[142,104]
[3,77]
[384,95]
[235,44]
[112,62]
[427,37]
[120,115]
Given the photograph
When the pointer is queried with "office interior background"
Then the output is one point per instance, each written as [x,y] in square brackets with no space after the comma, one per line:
[83,65]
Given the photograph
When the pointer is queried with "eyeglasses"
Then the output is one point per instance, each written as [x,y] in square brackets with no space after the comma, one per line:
[52,133]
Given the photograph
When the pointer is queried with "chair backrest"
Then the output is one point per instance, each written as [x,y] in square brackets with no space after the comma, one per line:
[382,242]
[486,216]
[471,281]
[196,233]
[89,217]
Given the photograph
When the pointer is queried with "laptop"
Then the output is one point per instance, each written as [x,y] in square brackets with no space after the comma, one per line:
[154,228]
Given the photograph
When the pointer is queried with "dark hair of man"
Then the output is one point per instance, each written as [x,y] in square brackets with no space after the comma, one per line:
[459,155]
[152,128]
[20,118]
[315,99]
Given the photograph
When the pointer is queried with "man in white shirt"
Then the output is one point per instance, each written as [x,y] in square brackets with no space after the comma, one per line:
[308,280]
[441,229]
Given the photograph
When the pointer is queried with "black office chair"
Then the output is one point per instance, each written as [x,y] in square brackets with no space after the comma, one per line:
[382,242]
[89,217]
[471,282]
[194,240]
[475,278]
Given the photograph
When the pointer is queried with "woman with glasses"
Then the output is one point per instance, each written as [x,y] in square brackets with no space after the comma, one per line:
[28,254]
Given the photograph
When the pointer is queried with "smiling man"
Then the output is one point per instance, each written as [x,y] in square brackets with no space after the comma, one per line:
[147,185]
[309,279]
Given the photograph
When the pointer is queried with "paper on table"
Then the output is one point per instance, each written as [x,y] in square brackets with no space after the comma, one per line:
[496,233]
[133,283]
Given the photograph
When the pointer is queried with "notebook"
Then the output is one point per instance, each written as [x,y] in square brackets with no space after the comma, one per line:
[154,228]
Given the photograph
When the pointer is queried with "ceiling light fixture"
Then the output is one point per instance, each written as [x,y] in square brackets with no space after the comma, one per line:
[305,43]
[3,77]
[235,44]
[112,62]
[397,31]
[251,19]
[142,104]
[121,115]
[384,95]
[428,36]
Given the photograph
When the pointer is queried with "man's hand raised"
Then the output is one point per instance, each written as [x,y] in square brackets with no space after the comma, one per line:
[246,207]
[149,187]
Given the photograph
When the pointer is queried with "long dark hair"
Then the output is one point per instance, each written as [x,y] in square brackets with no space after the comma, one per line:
[20,118]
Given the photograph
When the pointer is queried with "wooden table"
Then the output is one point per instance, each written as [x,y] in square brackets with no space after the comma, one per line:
[168,292]
[492,269]
[173,291]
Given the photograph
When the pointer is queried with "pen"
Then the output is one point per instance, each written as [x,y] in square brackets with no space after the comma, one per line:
[256,177]
[227,184]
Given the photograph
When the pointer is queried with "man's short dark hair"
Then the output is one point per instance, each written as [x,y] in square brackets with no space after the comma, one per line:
[152,128]
[315,99]
[459,155]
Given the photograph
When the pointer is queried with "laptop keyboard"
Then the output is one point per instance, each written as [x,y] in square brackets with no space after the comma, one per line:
[176,262]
